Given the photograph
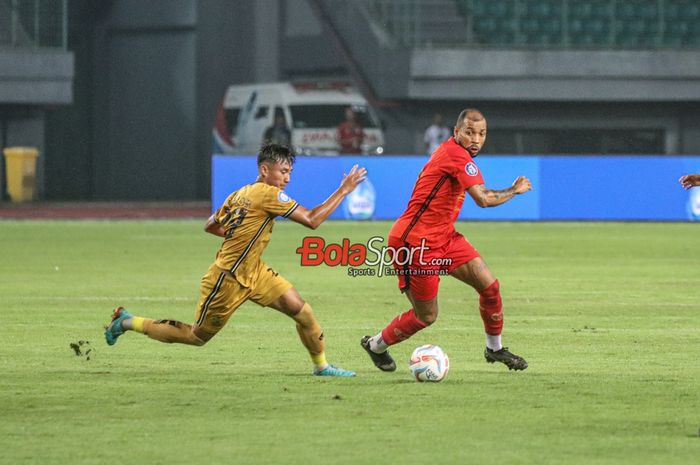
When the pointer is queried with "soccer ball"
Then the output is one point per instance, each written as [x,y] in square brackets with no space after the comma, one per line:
[429,363]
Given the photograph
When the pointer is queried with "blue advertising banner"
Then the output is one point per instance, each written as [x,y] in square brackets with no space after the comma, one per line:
[614,188]
[564,187]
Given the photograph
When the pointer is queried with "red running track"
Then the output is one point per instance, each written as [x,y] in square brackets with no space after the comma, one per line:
[104,210]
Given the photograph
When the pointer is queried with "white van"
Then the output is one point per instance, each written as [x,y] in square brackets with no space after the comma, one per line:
[312,110]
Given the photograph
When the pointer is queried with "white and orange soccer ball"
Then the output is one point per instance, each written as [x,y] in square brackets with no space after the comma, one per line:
[429,363]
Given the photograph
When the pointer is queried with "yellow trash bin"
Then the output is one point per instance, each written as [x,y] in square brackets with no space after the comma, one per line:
[20,172]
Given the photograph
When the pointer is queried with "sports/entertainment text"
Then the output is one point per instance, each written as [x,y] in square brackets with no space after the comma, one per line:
[315,251]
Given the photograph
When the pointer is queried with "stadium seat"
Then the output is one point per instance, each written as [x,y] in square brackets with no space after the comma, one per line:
[681,9]
[648,10]
[580,10]
[580,40]
[551,26]
[478,7]
[493,21]
[602,8]
[541,8]
[673,42]
[596,27]
[633,27]
[637,24]
[673,10]
[576,26]
[646,41]
[625,11]
[591,40]
[500,8]
[692,11]
[529,25]
[463,8]
[539,22]
[485,26]
[677,29]
[589,23]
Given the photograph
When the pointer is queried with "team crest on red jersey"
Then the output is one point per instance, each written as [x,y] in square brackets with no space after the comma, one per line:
[471,169]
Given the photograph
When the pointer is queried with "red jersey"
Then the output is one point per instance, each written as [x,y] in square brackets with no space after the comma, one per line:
[437,196]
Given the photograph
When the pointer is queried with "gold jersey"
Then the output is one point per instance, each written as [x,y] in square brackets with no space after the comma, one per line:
[247,216]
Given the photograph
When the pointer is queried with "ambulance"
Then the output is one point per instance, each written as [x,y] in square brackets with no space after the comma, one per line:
[312,111]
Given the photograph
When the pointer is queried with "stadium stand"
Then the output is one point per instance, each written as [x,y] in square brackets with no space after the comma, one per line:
[432,22]
[584,24]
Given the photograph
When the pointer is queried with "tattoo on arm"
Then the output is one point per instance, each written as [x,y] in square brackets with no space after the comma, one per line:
[490,198]
[503,195]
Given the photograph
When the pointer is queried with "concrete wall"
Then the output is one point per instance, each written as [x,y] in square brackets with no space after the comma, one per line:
[144,102]
[35,77]
[305,49]
[649,76]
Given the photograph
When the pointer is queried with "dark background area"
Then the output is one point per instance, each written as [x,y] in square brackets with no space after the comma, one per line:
[123,110]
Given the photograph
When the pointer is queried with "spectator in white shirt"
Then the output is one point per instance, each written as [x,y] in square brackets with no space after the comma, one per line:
[436,134]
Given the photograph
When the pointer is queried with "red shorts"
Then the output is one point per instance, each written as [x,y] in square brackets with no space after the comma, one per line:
[422,272]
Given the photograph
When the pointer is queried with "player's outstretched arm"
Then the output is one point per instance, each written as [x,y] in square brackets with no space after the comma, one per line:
[314,217]
[212,227]
[690,180]
[484,197]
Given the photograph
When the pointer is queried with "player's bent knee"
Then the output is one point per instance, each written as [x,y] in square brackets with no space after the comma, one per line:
[305,315]
[297,311]
[427,318]
[492,292]
[290,303]
[197,337]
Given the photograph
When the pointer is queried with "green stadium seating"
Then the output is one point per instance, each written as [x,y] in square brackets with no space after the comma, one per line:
[588,23]
[580,10]
[501,8]
[602,8]
[647,9]
[692,11]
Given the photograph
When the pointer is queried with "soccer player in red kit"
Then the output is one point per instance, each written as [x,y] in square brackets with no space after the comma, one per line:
[690,180]
[426,232]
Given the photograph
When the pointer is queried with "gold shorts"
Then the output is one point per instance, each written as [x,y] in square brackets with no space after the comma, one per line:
[220,294]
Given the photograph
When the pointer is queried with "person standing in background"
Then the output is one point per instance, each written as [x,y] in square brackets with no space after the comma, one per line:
[435,134]
[349,133]
[279,132]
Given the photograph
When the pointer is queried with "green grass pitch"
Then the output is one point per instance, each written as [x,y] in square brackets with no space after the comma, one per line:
[607,315]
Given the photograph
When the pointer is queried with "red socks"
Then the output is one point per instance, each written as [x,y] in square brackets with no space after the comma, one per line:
[491,309]
[490,306]
[402,327]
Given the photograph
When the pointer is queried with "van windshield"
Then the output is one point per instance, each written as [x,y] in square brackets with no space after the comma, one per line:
[231,120]
[329,116]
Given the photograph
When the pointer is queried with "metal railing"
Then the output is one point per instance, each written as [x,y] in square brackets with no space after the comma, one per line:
[34,23]
[570,24]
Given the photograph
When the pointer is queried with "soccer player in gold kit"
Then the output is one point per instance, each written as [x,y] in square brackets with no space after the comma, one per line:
[238,274]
